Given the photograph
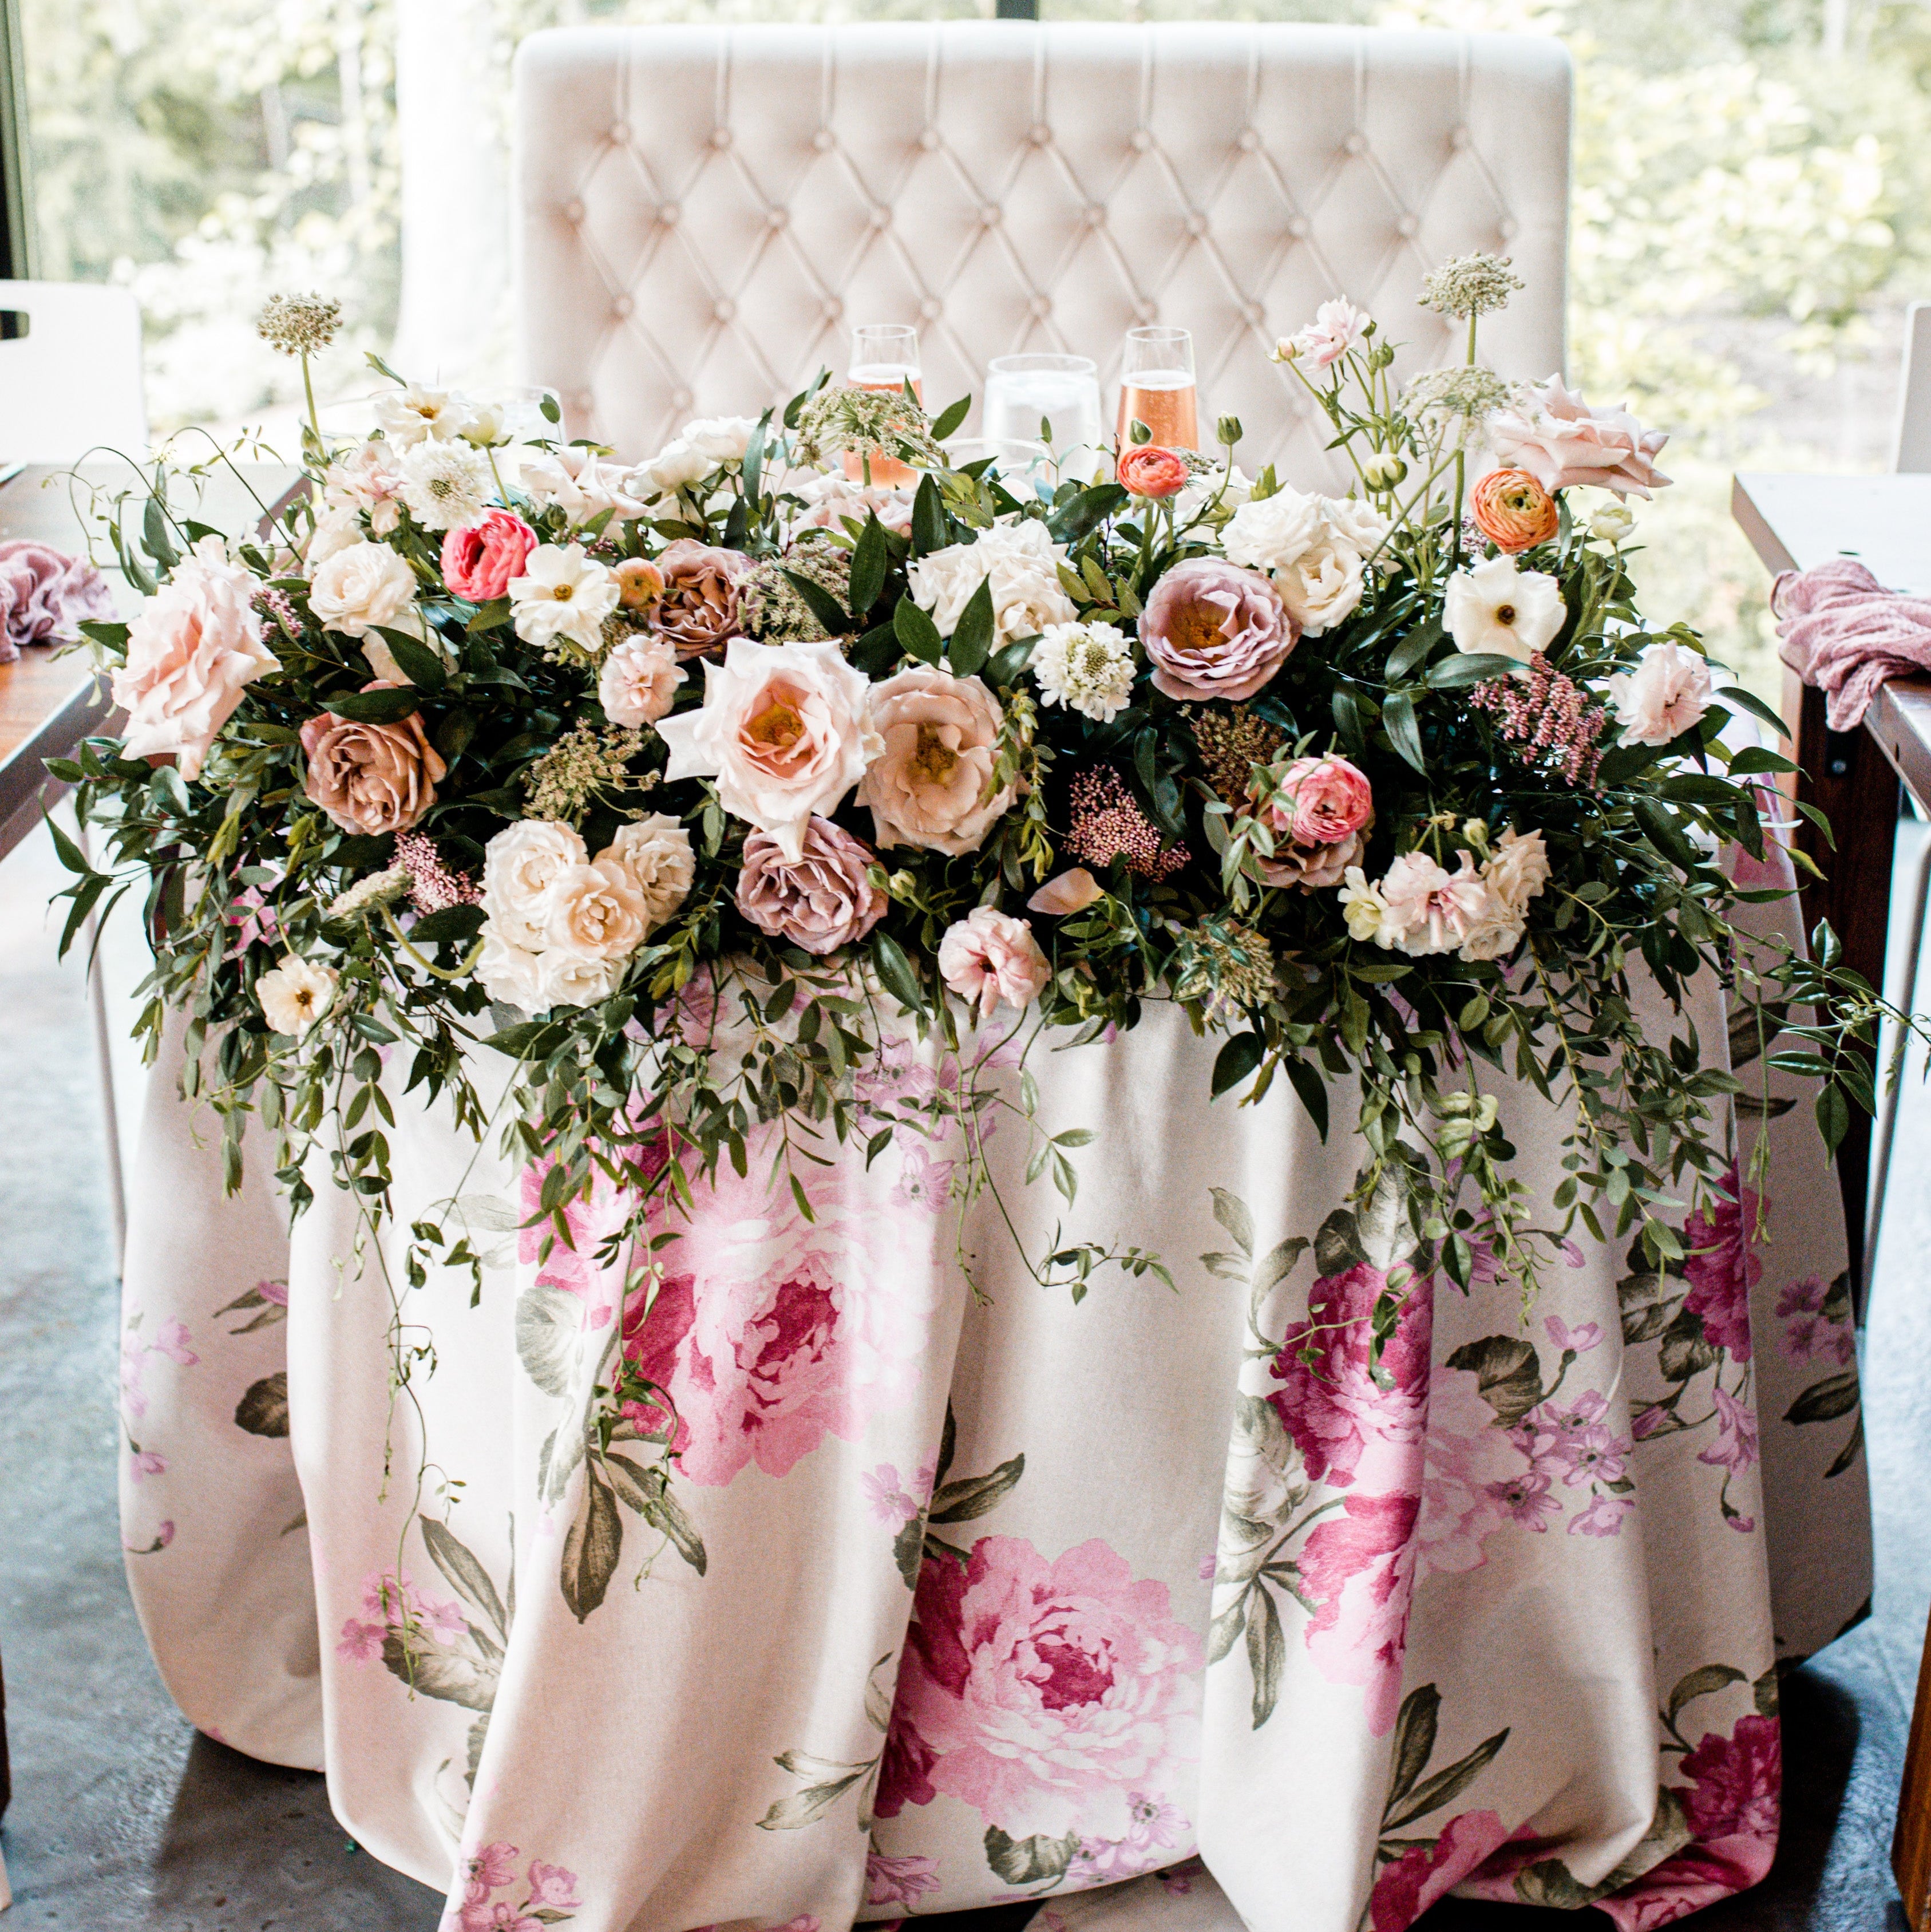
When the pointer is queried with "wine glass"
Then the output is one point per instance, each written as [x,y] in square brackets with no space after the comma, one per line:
[1156,388]
[1021,391]
[884,357]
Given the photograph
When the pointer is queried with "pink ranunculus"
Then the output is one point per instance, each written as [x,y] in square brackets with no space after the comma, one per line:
[638,682]
[1722,1277]
[1051,1696]
[551,1884]
[1323,801]
[1212,629]
[45,595]
[821,901]
[1409,1887]
[1350,1430]
[1358,1569]
[900,1881]
[1562,442]
[1148,470]
[191,648]
[989,957]
[479,559]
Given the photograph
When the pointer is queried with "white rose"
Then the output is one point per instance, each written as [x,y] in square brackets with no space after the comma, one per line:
[1275,533]
[1668,692]
[656,853]
[1201,490]
[638,681]
[1493,933]
[581,484]
[513,974]
[335,531]
[359,590]
[365,481]
[1360,526]
[294,994]
[1612,522]
[576,979]
[1320,587]
[723,439]
[673,467]
[595,911]
[520,864]
[1496,606]
[1517,870]
[408,415]
[1022,562]
[562,593]
[783,729]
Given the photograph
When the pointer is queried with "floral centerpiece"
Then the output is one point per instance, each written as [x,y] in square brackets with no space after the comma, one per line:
[687,784]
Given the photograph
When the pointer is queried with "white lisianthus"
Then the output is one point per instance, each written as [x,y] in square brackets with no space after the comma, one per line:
[638,682]
[1275,533]
[1022,562]
[335,531]
[702,448]
[1086,667]
[1365,910]
[595,911]
[1517,870]
[785,731]
[582,485]
[562,593]
[1668,692]
[655,852]
[294,994]
[366,480]
[362,588]
[1201,489]
[520,866]
[445,484]
[1358,525]
[410,415]
[1497,607]
[1322,587]
[1430,909]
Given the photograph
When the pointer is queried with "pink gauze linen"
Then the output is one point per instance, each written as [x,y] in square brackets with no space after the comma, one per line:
[44,595]
[1840,629]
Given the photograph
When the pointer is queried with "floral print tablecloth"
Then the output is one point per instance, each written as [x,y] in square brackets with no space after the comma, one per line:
[1158,1606]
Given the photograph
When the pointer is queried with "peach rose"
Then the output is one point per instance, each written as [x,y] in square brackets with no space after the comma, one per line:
[698,608]
[821,901]
[989,957]
[928,786]
[1562,442]
[1513,510]
[479,559]
[190,649]
[1150,471]
[370,778]
[638,683]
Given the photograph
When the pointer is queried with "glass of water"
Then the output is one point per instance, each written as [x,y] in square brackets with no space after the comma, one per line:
[1062,392]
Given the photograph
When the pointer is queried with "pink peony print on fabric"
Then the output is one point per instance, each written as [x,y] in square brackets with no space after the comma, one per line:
[1055,1696]
[1359,1567]
[1415,1881]
[1721,1277]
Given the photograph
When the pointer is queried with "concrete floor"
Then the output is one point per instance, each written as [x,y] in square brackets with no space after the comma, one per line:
[124,1820]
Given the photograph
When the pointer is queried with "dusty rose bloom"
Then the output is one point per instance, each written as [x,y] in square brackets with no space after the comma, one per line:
[698,609]
[1562,442]
[1212,629]
[1314,868]
[988,957]
[44,595]
[821,902]
[927,787]
[370,778]
[1069,891]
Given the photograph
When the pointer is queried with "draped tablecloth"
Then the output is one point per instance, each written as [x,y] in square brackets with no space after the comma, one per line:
[1158,1605]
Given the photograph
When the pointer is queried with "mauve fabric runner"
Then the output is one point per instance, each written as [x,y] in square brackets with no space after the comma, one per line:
[1159,1605]
[1838,628]
[44,595]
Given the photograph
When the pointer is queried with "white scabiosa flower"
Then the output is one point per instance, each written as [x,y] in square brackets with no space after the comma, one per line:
[563,593]
[445,484]
[294,994]
[1086,667]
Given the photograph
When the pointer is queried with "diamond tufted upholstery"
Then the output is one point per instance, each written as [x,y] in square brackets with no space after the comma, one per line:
[705,211]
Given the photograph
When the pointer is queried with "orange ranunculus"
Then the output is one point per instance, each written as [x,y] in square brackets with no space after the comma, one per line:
[1513,510]
[1148,470]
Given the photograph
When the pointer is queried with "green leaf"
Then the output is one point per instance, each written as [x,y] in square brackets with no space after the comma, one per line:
[1744,700]
[466,1575]
[374,707]
[929,519]
[154,538]
[974,1495]
[1233,1214]
[950,419]
[972,637]
[1755,758]
[1266,1655]
[1834,1116]
[1008,661]
[1028,1861]
[1398,714]
[918,635]
[459,922]
[421,666]
[593,1546]
[1413,649]
[1712,1677]
[547,403]
[1825,1401]
[1236,1060]
[753,465]
[894,970]
[1312,1089]
[1414,1741]
[1664,832]
[870,556]
[1447,1785]
[822,605]
[70,854]
[1466,667]
[807,1807]
[875,651]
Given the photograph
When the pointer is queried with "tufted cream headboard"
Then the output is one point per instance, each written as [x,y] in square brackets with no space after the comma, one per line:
[704,212]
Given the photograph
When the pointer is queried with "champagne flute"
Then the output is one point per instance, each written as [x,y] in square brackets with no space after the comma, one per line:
[1156,388]
[884,357]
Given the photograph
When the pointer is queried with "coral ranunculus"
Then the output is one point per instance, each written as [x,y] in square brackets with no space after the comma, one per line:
[479,559]
[1150,471]
[1513,510]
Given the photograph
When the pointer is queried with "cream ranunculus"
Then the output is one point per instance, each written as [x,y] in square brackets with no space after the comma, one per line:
[1496,606]
[928,786]
[294,994]
[596,912]
[190,649]
[562,593]
[1022,562]
[364,588]
[783,728]
[638,683]
[520,864]
[1669,691]
[656,853]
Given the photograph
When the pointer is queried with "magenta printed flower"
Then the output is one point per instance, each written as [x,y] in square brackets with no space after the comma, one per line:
[494,1866]
[1735,1448]
[903,1881]
[1053,1696]
[892,1502]
[145,1462]
[1211,629]
[1409,1887]
[1581,1340]
[362,1643]
[1525,1499]
[171,1339]
[1156,1828]
[1809,1335]
[922,1181]
[552,1886]
[1603,1517]
[1358,1568]
[1722,1276]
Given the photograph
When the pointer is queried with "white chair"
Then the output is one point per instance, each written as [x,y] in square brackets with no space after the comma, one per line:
[704,212]
[72,381]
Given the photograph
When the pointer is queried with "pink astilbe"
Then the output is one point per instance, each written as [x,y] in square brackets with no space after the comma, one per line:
[433,887]
[274,605]
[1549,714]
[1107,825]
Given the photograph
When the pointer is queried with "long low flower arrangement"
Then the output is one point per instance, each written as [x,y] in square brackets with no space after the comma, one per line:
[688,784]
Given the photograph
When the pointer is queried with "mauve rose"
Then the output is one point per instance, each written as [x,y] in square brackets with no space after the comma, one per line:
[44,595]
[989,956]
[370,778]
[821,902]
[1513,510]
[1314,868]
[479,559]
[1151,471]
[698,610]
[1212,629]
[928,787]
